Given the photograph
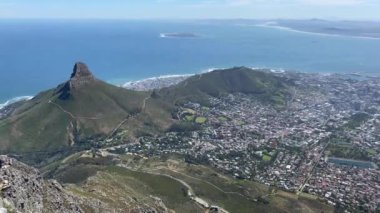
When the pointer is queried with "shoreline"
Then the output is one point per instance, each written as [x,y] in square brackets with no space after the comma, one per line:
[6,102]
[157,78]
[15,100]
[131,83]
[289,29]
[169,76]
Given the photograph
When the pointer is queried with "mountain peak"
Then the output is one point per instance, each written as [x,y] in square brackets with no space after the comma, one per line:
[81,75]
[81,71]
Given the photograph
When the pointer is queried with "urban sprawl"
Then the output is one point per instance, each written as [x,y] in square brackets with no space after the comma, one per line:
[324,143]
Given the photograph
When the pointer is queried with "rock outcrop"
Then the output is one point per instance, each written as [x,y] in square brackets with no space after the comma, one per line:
[80,77]
[24,190]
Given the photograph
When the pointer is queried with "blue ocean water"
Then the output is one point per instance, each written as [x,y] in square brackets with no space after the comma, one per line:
[36,55]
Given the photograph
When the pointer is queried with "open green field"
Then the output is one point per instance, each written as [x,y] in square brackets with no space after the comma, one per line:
[372,152]
[267,158]
[189,118]
[200,120]
[350,151]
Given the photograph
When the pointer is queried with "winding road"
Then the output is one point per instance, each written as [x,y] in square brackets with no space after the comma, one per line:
[190,192]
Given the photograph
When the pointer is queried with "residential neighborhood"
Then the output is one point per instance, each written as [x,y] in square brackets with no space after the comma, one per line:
[289,147]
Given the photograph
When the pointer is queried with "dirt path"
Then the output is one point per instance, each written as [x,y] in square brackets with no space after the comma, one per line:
[97,118]
[119,125]
[71,114]
[211,184]
[143,106]
[190,192]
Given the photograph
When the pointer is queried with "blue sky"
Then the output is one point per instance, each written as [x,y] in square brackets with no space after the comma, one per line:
[147,9]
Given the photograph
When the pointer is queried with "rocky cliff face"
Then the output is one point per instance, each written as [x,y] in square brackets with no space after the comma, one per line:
[24,190]
[80,77]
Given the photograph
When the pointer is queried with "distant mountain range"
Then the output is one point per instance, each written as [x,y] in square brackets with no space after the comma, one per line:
[364,29]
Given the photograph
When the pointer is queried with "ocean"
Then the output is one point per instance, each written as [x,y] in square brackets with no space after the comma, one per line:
[36,55]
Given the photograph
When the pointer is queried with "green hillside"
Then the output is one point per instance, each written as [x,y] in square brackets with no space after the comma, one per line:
[57,119]
[85,109]
[266,86]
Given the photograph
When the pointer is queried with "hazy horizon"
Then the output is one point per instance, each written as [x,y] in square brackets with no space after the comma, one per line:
[197,9]
[189,19]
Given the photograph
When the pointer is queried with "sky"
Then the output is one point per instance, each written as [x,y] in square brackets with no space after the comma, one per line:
[192,9]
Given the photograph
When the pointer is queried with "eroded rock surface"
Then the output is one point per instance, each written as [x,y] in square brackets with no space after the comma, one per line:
[24,190]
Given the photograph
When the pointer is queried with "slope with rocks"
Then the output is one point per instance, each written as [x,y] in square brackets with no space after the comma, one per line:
[58,119]
[24,190]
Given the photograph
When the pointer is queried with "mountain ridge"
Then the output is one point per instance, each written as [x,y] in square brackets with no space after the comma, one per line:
[86,112]
[199,88]
[58,118]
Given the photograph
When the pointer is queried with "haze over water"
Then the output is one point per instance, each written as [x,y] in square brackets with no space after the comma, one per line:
[38,55]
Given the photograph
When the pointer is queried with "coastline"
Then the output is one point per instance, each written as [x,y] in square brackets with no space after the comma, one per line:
[311,33]
[156,81]
[15,100]
[123,84]
[156,78]
[119,83]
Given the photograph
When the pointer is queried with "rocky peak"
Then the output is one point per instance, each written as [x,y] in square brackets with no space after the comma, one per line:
[81,75]
[81,71]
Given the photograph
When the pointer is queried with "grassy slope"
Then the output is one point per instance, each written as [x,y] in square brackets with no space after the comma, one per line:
[119,184]
[265,86]
[235,195]
[33,126]
[107,104]
[42,126]
[99,108]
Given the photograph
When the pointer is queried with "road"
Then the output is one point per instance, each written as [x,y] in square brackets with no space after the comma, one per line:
[315,162]
[211,184]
